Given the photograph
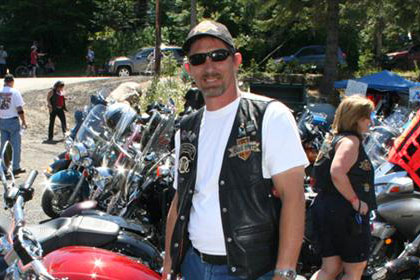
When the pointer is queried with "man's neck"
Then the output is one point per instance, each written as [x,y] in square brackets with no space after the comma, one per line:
[218,102]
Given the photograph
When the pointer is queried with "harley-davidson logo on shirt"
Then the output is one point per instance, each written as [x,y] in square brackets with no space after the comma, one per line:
[244,148]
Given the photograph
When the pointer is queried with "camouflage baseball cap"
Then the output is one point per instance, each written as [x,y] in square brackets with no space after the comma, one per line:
[209,28]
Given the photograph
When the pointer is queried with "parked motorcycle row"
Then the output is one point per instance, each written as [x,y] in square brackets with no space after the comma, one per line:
[109,192]
[107,196]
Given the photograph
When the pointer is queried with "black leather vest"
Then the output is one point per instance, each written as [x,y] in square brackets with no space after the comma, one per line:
[361,174]
[249,212]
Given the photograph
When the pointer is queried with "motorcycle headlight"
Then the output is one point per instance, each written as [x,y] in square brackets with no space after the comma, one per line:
[78,152]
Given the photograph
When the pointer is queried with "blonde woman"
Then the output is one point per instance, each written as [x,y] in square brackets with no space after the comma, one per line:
[344,178]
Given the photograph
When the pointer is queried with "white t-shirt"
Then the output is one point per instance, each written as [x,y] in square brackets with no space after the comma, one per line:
[10,99]
[3,56]
[90,55]
[281,150]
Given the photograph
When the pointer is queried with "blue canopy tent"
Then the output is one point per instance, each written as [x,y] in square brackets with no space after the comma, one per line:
[382,81]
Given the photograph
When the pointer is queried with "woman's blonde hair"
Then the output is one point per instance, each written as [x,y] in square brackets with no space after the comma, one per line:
[349,112]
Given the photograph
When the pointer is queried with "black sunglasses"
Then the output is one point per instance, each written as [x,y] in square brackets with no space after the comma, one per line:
[216,55]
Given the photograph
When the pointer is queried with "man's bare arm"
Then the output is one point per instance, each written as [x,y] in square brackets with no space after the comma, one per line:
[289,185]
[22,116]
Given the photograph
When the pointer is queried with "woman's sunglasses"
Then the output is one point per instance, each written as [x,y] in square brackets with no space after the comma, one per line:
[216,55]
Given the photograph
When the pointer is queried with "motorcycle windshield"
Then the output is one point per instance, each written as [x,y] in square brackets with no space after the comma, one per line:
[93,129]
[127,118]
[99,97]
[398,119]
[159,141]
[381,137]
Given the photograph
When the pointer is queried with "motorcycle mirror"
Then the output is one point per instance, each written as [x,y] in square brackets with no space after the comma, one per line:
[7,154]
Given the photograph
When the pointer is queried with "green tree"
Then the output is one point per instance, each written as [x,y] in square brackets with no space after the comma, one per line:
[58,25]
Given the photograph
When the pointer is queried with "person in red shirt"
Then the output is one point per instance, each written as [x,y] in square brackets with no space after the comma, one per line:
[56,106]
[34,59]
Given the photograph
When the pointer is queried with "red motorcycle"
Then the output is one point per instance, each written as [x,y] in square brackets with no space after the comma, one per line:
[22,254]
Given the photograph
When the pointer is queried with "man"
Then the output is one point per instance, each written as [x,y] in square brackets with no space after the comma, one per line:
[233,157]
[90,60]
[193,98]
[34,60]
[11,109]
[3,56]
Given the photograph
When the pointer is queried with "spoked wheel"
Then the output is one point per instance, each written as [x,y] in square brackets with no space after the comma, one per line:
[55,202]
[22,71]
[49,203]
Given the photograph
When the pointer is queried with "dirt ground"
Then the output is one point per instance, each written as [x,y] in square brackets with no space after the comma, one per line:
[36,154]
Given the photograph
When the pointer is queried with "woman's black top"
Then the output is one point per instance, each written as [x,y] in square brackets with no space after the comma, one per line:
[361,174]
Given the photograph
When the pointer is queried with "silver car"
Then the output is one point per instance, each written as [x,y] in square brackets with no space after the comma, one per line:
[142,61]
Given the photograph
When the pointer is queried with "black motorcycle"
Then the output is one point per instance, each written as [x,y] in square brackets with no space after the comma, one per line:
[94,230]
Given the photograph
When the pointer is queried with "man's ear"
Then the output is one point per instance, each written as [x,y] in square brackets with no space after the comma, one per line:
[237,58]
[187,67]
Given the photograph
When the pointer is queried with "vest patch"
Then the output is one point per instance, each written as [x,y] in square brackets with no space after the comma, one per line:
[188,135]
[244,148]
[187,154]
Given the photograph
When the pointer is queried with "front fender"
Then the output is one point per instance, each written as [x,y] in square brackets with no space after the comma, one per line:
[124,64]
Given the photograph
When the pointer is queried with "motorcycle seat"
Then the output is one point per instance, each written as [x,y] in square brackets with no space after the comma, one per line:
[79,230]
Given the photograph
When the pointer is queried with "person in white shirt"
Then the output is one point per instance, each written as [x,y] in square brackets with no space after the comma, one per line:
[236,158]
[3,56]
[11,110]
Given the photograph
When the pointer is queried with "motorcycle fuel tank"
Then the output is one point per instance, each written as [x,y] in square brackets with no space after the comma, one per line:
[88,263]
[64,179]
[403,213]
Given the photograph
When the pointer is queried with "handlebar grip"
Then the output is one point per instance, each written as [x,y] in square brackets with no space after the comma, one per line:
[30,179]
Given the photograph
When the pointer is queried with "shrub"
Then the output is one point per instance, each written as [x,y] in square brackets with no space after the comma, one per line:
[162,89]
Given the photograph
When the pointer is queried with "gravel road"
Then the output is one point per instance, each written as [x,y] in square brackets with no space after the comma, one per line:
[31,84]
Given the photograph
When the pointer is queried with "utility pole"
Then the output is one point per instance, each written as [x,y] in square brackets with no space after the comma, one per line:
[193,13]
[158,40]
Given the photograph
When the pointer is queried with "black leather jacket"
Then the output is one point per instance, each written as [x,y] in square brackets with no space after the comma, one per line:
[250,213]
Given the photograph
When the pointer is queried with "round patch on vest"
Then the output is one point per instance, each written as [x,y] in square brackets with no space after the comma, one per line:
[186,156]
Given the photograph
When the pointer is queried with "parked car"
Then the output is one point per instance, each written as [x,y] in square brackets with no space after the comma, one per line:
[142,61]
[312,55]
[403,59]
